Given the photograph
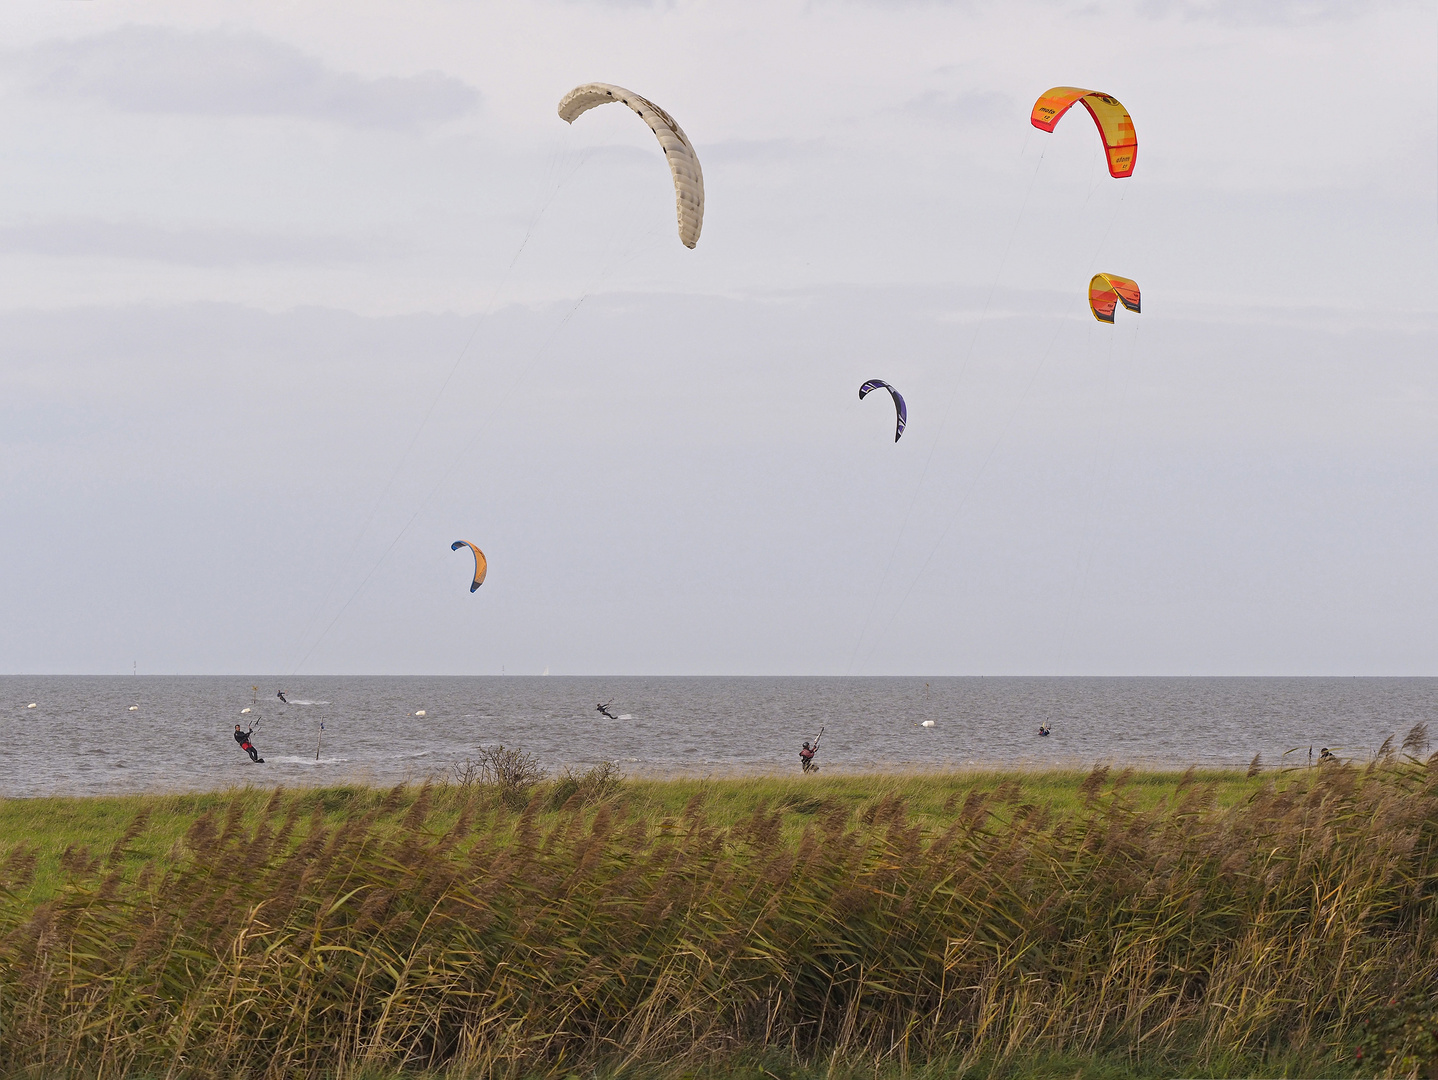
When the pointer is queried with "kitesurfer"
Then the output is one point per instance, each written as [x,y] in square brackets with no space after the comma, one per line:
[1044,728]
[1326,755]
[281,695]
[243,738]
[806,755]
[605,710]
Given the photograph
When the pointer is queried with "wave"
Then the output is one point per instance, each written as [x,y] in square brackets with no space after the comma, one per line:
[290,759]
[300,701]
[624,716]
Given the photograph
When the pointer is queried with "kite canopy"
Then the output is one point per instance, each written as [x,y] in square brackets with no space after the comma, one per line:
[683,161]
[481,565]
[899,407]
[1106,291]
[1114,124]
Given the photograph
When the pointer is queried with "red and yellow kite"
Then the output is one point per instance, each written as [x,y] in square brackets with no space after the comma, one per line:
[1114,124]
[1105,292]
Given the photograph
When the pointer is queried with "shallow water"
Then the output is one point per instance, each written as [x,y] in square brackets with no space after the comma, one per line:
[81,737]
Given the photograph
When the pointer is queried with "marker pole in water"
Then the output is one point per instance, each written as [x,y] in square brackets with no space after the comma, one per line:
[318,740]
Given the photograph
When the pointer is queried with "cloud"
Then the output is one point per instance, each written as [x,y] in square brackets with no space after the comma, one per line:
[963,110]
[81,237]
[152,69]
[1270,12]
[763,151]
[1241,12]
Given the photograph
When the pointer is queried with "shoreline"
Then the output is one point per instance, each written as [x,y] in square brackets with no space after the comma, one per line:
[365,777]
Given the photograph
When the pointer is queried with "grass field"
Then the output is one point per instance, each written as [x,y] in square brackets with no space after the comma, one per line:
[50,826]
[965,924]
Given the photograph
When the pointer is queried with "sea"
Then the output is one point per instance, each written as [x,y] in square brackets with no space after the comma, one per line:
[84,735]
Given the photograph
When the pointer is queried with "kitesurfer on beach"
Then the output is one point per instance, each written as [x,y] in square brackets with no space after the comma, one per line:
[243,738]
[1326,755]
[605,710]
[806,755]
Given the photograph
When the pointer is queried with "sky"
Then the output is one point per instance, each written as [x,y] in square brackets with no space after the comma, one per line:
[294,296]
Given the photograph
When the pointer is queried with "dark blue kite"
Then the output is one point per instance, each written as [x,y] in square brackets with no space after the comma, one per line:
[899,406]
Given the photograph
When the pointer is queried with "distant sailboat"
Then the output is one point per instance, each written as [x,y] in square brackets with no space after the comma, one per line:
[546,670]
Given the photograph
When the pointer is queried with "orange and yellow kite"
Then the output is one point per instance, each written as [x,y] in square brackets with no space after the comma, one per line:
[1114,124]
[1106,291]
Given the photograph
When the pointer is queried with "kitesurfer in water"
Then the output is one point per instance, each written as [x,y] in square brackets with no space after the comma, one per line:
[605,710]
[243,738]
[1044,728]
[281,695]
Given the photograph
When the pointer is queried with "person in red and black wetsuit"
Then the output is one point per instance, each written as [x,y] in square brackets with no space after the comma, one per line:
[243,738]
[806,757]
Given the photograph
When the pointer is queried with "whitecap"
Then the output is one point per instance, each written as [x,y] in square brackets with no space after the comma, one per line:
[290,759]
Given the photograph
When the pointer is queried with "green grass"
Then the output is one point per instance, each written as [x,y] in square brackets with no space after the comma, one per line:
[928,795]
[1031,1066]
[93,826]
[917,925]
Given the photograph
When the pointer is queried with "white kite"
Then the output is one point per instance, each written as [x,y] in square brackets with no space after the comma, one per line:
[678,150]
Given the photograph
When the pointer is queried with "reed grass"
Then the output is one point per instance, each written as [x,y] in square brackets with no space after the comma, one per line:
[949,925]
[50,826]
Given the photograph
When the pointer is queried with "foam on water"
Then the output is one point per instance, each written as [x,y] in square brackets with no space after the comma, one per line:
[306,761]
[81,738]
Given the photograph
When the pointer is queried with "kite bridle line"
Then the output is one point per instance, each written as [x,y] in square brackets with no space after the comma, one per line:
[549,190]
[949,407]
[480,428]
[1085,564]
[974,482]
[1003,431]
[1101,441]
[1095,533]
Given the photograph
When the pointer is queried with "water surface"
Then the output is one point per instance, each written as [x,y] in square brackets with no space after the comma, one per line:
[82,736]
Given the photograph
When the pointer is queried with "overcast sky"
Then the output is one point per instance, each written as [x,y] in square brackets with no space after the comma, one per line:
[293,296]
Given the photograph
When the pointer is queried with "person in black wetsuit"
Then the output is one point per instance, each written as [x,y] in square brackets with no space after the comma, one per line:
[281,695]
[243,738]
[605,710]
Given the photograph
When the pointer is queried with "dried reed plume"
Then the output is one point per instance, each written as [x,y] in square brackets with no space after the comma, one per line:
[539,939]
